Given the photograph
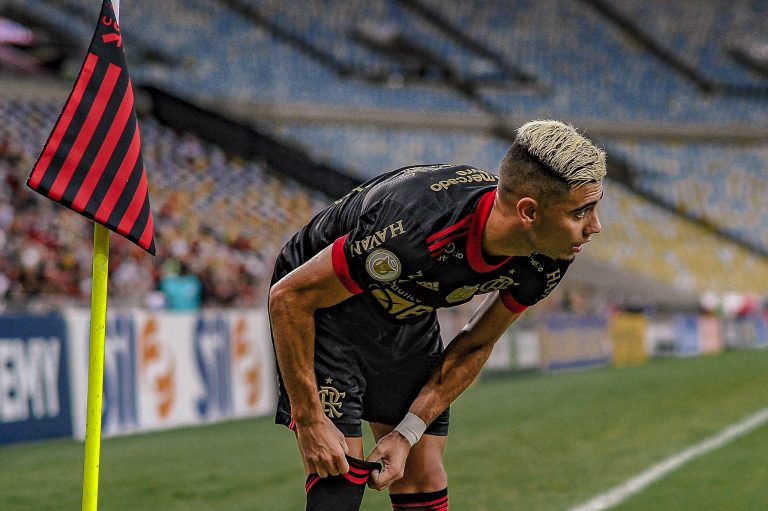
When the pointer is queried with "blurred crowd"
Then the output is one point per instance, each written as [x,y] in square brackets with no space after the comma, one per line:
[219,222]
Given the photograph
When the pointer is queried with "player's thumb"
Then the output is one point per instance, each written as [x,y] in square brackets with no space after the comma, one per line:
[375,455]
[382,478]
[374,481]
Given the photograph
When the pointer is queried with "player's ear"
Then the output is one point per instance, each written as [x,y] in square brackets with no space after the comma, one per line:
[527,210]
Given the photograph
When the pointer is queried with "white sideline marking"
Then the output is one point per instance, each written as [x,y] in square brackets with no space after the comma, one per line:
[658,471]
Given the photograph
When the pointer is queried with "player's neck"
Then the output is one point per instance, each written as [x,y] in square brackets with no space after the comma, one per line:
[503,234]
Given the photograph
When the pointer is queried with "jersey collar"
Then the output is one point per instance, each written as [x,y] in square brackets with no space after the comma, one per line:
[475,256]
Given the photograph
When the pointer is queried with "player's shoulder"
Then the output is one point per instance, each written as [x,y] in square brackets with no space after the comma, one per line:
[443,176]
[536,275]
[444,183]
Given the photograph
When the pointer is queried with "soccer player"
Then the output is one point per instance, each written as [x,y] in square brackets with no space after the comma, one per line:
[354,293]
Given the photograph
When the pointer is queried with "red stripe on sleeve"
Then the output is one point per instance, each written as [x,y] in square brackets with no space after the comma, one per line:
[461,223]
[510,303]
[341,268]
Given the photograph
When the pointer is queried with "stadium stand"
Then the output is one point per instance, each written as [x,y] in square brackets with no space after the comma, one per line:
[476,63]
[315,54]
[221,217]
[720,184]
[719,28]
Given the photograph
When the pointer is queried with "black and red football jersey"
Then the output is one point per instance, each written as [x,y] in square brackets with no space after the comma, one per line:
[411,242]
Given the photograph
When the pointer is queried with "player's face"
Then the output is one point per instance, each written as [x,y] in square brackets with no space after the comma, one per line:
[570,223]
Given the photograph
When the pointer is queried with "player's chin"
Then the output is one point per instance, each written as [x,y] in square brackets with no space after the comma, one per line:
[560,255]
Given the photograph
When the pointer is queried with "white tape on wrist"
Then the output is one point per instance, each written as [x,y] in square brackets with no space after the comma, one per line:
[411,427]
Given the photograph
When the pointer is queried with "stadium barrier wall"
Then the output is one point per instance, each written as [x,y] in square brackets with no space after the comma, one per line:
[161,370]
[570,341]
[34,378]
[166,370]
[686,335]
[749,330]
[628,332]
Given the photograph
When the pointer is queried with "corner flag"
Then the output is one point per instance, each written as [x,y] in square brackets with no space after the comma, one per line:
[92,160]
[92,164]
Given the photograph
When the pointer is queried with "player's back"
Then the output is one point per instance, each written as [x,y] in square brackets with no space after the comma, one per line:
[429,192]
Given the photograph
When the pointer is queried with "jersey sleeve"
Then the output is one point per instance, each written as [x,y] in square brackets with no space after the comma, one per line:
[385,243]
[535,277]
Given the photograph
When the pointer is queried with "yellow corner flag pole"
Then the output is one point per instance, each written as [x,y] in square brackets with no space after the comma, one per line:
[96,366]
[103,75]
[99,281]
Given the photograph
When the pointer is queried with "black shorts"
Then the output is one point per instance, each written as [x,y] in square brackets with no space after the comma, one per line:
[368,367]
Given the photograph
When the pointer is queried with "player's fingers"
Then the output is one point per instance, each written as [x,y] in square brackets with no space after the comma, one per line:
[320,469]
[334,464]
[373,480]
[343,465]
[310,467]
[380,479]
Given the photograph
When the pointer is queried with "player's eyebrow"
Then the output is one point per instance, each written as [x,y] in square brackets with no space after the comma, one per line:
[589,204]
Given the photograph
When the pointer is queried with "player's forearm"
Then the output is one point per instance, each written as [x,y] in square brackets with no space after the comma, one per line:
[293,332]
[459,367]
[463,359]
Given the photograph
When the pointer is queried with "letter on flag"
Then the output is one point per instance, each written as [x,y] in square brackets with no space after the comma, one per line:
[92,160]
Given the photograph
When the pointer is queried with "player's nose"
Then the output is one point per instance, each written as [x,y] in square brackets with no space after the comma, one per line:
[594,226]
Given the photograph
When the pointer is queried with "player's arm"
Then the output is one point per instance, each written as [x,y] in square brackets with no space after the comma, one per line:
[292,304]
[464,357]
[460,364]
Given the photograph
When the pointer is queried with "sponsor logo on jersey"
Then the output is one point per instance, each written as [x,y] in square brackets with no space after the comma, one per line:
[410,171]
[461,294]
[374,240]
[432,286]
[383,265]
[444,240]
[399,306]
[464,176]
[539,267]
[410,277]
[497,284]
[331,398]
[402,292]
[354,191]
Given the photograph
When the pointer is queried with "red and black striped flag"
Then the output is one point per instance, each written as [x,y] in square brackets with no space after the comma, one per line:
[92,161]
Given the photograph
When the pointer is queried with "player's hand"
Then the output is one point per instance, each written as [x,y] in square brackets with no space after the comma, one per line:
[392,451]
[323,448]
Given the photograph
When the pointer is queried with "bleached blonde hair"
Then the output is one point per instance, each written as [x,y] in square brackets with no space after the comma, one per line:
[568,154]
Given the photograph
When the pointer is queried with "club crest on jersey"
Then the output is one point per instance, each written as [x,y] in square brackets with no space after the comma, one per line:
[383,265]
[331,400]
[461,294]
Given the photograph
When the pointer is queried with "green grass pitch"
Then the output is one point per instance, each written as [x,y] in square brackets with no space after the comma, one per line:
[522,442]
